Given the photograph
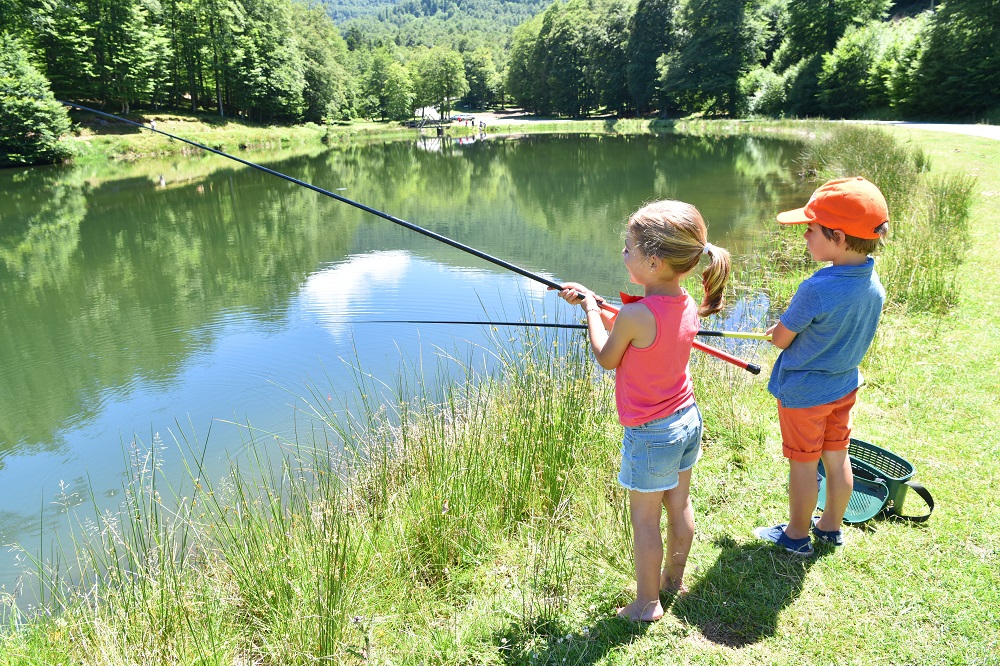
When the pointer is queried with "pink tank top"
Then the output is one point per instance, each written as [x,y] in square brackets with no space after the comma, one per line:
[655,382]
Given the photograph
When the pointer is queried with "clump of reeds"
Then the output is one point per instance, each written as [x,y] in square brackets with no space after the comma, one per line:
[929,214]
[921,261]
[364,520]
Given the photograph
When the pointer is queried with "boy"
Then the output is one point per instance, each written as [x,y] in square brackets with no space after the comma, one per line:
[824,334]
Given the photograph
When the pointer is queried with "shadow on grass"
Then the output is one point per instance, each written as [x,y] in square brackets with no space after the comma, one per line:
[547,642]
[738,601]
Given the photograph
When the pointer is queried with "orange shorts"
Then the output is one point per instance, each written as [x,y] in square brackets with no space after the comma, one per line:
[809,431]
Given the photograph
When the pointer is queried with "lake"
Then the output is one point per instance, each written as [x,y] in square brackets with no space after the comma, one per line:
[163,304]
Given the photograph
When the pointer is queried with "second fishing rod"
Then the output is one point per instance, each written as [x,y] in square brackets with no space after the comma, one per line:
[729,358]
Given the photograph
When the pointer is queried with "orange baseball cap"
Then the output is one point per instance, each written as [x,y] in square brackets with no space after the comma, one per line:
[852,205]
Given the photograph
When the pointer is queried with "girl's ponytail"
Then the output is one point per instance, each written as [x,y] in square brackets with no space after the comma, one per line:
[714,279]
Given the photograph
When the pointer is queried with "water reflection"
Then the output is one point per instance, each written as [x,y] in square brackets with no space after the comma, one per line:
[192,290]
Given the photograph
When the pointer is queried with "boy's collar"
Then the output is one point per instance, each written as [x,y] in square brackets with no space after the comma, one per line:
[850,268]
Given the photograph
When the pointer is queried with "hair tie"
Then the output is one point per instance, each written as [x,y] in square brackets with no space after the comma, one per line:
[708,248]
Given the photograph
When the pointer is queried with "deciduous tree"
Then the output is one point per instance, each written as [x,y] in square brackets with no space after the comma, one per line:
[650,36]
[720,43]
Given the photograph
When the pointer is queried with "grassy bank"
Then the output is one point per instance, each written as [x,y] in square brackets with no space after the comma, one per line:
[487,528]
[97,139]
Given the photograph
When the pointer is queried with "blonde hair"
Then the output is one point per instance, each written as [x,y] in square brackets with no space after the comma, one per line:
[675,232]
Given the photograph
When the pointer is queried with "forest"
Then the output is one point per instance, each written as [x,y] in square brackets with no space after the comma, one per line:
[289,61]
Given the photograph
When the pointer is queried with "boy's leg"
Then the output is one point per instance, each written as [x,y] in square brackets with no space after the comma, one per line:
[837,462]
[680,533]
[645,510]
[803,492]
[839,486]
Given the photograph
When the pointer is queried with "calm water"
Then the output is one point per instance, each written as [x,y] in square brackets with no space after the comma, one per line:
[200,292]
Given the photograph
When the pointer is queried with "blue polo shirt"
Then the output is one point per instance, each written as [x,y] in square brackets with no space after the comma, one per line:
[834,314]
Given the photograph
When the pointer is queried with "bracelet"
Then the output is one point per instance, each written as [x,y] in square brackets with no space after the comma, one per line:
[597,310]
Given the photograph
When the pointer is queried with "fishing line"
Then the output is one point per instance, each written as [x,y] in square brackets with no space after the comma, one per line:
[742,335]
[755,369]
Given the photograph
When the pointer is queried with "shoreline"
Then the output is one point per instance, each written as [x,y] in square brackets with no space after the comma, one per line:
[97,141]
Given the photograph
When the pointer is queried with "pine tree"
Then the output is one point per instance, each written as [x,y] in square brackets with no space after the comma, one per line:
[32,122]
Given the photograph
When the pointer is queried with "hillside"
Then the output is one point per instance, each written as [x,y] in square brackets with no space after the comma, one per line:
[429,22]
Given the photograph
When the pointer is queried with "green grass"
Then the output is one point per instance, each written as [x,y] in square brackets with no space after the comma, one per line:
[487,527]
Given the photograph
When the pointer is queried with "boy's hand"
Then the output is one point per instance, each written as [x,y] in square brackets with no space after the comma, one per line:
[781,337]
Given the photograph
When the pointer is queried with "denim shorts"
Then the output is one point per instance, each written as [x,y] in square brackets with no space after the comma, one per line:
[654,453]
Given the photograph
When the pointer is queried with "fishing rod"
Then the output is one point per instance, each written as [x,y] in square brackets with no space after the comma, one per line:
[750,367]
[742,335]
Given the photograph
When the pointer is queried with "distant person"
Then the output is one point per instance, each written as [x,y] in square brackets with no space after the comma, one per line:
[648,345]
[152,124]
[825,332]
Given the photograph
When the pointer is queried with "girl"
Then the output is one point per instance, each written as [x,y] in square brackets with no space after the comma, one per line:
[648,344]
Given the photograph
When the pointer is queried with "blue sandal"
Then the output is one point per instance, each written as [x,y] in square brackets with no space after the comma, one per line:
[834,538]
[801,547]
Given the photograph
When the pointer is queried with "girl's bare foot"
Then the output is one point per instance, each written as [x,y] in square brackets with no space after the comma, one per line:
[638,611]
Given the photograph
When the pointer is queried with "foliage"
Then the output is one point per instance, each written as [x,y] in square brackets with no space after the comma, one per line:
[572,59]
[327,95]
[481,75]
[387,90]
[463,25]
[609,54]
[570,73]
[651,35]
[65,39]
[283,60]
[871,69]
[32,122]
[802,83]
[822,57]
[244,57]
[814,26]
[959,65]
[909,40]
[441,78]
[765,92]
[268,72]
[812,29]
[522,73]
[720,42]
[850,83]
